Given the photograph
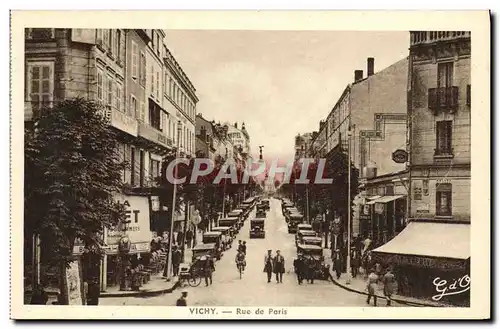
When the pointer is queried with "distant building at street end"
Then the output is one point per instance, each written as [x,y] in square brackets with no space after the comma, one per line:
[302,145]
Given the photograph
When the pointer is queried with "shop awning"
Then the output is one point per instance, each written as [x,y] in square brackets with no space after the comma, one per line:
[371,199]
[446,240]
[388,198]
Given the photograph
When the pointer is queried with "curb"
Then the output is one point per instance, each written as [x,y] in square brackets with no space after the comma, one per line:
[397,300]
[144,293]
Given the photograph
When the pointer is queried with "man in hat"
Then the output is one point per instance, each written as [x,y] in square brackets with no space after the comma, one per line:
[176,260]
[299,265]
[279,266]
[337,263]
[268,265]
[208,268]
[182,300]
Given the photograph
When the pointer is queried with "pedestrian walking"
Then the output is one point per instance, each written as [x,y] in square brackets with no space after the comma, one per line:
[189,238]
[240,246]
[244,247]
[309,262]
[355,262]
[279,266]
[371,287]
[389,281]
[208,269]
[182,301]
[180,239]
[337,263]
[176,260]
[298,265]
[268,265]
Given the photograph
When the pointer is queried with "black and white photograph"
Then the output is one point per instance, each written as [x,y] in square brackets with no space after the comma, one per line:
[249,173]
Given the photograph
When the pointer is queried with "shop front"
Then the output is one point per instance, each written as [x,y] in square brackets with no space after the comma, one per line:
[430,261]
[127,246]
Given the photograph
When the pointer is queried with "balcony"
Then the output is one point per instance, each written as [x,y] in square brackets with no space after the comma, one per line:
[443,99]
[154,135]
[430,37]
[122,121]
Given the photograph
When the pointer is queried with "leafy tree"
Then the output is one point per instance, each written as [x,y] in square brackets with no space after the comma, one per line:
[72,171]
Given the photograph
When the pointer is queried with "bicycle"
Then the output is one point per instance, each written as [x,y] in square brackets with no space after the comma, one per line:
[193,277]
[240,268]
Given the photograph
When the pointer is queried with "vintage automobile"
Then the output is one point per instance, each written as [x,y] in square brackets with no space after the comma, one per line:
[265,203]
[261,207]
[312,240]
[314,256]
[301,234]
[204,249]
[227,236]
[216,238]
[295,219]
[290,211]
[257,228]
[260,213]
[285,205]
[232,222]
[304,227]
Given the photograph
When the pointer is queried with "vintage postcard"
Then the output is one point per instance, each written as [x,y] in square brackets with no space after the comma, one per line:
[250,165]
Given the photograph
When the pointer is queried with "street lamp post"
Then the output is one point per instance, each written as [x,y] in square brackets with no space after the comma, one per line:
[174,196]
[348,262]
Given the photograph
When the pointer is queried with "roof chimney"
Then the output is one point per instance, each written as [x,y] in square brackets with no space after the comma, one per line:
[236,125]
[370,66]
[358,75]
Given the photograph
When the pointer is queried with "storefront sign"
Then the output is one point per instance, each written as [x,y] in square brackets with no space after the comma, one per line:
[136,224]
[400,156]
[421,261]
[124,122]
[379,208]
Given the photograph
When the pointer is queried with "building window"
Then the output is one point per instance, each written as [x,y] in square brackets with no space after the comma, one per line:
[39,34]
[107,37]
[142,70]
[112,41]
[154,115]
[99,36]
[118,41]
[443,200]
[40,84]
[170,88]
[133,171]
[133,106]
[445,75]
[100,87]
[153,39]
[134,59]
[443,138]
[158,44]
[109,90]
[154,168]
[118,95]
[389,190]
[158,85]
[142,116]
[152,80]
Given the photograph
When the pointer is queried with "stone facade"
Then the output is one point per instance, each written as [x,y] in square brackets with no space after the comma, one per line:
[440,125]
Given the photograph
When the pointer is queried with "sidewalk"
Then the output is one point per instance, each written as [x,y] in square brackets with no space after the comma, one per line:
[158,284]
[358,285]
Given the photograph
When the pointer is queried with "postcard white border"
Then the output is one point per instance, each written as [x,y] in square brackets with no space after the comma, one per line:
[478,22]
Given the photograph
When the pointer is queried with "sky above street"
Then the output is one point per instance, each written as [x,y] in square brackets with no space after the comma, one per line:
[279,83]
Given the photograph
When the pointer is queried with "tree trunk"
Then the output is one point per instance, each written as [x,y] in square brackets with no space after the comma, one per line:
[63,285]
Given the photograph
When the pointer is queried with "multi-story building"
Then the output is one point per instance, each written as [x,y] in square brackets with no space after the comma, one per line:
[302,145]
[371,116]
[180,99]
[205,138]
[436,242]
[123,70]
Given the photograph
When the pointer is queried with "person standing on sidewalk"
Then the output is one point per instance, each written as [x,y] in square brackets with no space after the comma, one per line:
[279,266]
[182,301]
[298,265]
[389,281]
[268,265]
[337,263]
[355,262]
[176,260]
[208,269]
[372,287]
[189,238]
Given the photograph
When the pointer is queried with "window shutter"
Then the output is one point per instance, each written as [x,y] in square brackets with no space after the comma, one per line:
[143,112]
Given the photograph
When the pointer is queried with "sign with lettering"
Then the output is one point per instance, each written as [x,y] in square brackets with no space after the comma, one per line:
[400,156]
[136,224]
[124,122]
[420,261]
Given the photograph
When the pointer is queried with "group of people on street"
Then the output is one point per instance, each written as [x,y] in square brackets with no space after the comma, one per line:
[388,279]
[274,264]
[305,268]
